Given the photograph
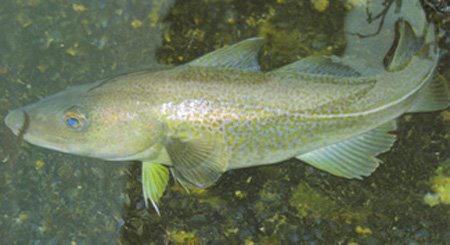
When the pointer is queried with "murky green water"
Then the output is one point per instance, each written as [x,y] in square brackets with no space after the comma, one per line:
[53,198]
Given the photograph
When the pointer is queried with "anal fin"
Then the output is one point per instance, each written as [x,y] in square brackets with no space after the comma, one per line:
[154,181]
[354,157]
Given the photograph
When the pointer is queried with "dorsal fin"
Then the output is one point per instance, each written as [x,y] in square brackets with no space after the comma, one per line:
[242,56]
[320,65]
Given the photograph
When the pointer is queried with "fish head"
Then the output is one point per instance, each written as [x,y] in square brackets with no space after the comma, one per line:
[96,124]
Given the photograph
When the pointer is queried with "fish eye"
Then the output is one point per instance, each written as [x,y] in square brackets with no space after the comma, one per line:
[75,119]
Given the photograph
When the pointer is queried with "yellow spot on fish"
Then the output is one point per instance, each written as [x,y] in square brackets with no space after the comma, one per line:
[136,23]
[112,116]
[39,164]
[78,7]
[320,5]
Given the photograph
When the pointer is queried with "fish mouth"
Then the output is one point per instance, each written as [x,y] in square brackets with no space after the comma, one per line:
[18,122]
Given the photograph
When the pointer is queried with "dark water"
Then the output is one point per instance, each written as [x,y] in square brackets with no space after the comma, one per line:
[53,198]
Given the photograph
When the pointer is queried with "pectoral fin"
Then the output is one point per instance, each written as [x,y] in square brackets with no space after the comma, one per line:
[198,162]
[154,181]
[355,157]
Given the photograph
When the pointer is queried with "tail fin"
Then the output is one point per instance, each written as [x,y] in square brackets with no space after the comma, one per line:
[435,96]
[408,45]
[403,49]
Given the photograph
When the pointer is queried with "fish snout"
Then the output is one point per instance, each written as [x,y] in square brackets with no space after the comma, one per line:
[17,121]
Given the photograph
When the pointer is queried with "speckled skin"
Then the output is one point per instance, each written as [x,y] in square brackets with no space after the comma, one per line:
[267,117]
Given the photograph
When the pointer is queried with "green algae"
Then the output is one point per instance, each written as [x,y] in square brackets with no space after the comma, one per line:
[310,202]
[440,183]
[313,203]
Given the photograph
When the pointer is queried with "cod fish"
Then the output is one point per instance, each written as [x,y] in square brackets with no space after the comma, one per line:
[220,112]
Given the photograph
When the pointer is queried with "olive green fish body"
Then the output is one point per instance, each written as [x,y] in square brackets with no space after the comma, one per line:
[268,117]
